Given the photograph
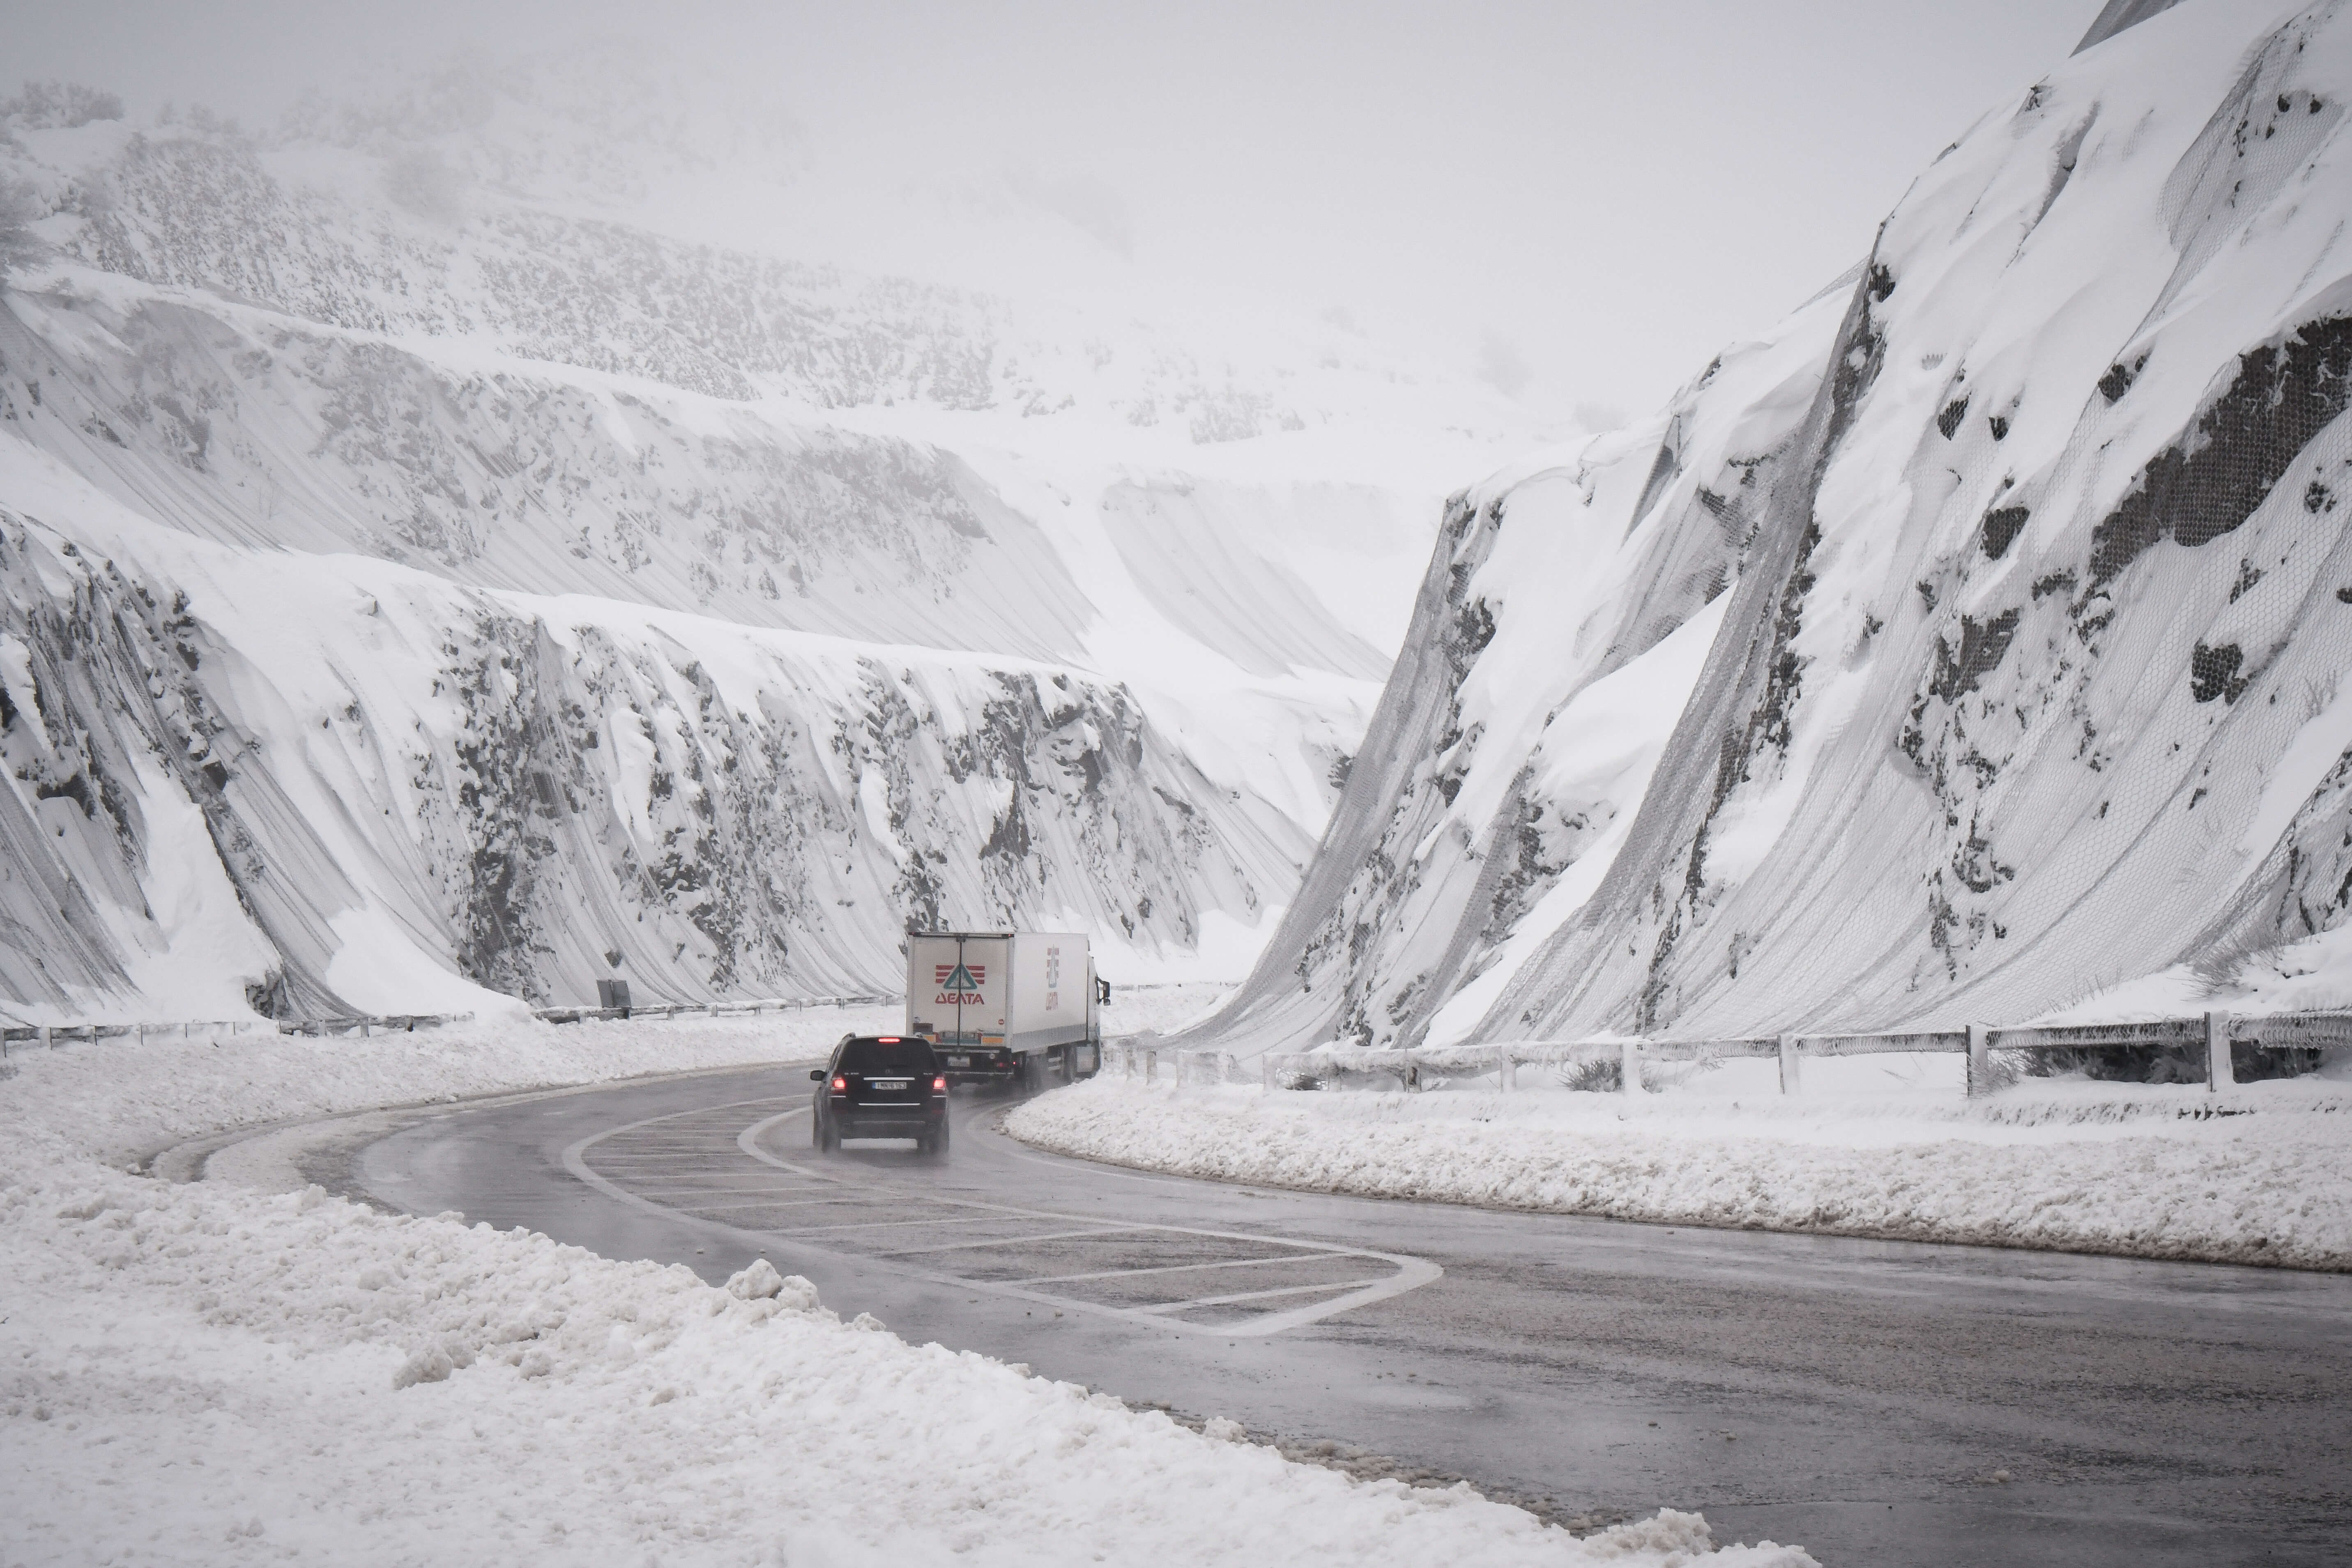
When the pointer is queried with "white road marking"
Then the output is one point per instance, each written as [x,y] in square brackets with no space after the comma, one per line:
[1015,1240]
[1172,1268]
[769,1204]
[1410,1272]
[1255,1295]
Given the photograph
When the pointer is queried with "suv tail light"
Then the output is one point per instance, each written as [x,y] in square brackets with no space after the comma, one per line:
[940,1084]
[840,1084]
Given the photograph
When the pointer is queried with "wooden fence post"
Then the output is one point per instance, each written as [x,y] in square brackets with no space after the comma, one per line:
[1980,1060]
[1791,1065]
[1629,1062]
[2219,1071]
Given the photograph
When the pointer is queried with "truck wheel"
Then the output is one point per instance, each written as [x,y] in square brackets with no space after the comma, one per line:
[1070,1066]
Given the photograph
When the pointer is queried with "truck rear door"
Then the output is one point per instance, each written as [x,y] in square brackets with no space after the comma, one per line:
[963,983]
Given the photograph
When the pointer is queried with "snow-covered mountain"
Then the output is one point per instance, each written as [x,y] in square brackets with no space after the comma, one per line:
[469,539]
[1976,642]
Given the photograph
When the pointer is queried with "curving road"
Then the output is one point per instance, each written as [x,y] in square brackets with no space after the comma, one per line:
[1881,1403]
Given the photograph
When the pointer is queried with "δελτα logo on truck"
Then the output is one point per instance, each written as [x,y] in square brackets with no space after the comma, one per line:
[960,983]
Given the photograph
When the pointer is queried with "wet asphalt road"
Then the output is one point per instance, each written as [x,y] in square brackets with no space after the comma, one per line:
[1859,1397]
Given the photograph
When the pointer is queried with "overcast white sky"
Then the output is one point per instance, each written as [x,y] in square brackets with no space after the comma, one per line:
[1608,191]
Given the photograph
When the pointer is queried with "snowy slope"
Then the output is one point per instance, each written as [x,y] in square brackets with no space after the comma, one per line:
[730,607]
[2027,677]
[347,777]
[1558,630]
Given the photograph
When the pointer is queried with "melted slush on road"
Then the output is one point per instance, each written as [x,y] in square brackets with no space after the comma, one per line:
[1884,1402]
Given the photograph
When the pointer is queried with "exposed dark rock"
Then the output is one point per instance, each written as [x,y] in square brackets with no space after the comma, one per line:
[2208,483]
[75,789]
[1983,645]
[2000,529]
[2214,672]
[1784,676]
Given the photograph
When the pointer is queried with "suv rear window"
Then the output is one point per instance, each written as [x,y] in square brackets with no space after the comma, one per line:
[873,1056]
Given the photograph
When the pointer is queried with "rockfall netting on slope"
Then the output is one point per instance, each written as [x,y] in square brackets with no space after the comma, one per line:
[2026,681]
[1559,628]
[2053,662]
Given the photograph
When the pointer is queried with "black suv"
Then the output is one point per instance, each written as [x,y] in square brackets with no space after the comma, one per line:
[881,1086]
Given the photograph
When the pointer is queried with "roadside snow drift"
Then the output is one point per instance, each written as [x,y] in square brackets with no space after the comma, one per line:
[1880,1147]
[2023,572]
[208,1374]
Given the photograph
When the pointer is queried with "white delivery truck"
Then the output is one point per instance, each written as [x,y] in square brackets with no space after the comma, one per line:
[1005,1006]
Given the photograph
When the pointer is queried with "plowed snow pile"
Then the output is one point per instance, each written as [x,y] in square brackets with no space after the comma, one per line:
[208,1374]
[1877,1146]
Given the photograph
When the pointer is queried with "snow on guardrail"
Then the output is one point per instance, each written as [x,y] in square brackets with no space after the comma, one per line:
[1139,1057]
[46,1037]
[707,1009]
[50,1035]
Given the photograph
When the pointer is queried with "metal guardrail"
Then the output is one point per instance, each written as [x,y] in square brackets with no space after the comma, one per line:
[46,1036]
[707,1009]
[1140,1057]
[50,1035]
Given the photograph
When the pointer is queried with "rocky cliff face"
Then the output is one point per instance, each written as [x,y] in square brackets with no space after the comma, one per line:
[1560,628]
[431,564]
[265,430]
[2024,674]
[323,779]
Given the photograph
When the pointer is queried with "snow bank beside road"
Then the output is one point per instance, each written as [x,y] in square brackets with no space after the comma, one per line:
[2262,1174]
[206,1374]
[116,1101]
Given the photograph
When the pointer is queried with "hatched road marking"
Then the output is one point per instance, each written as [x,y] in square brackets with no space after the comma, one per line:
[691,1165]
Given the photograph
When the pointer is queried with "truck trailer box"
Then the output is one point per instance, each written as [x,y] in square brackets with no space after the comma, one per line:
[1002,1006]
